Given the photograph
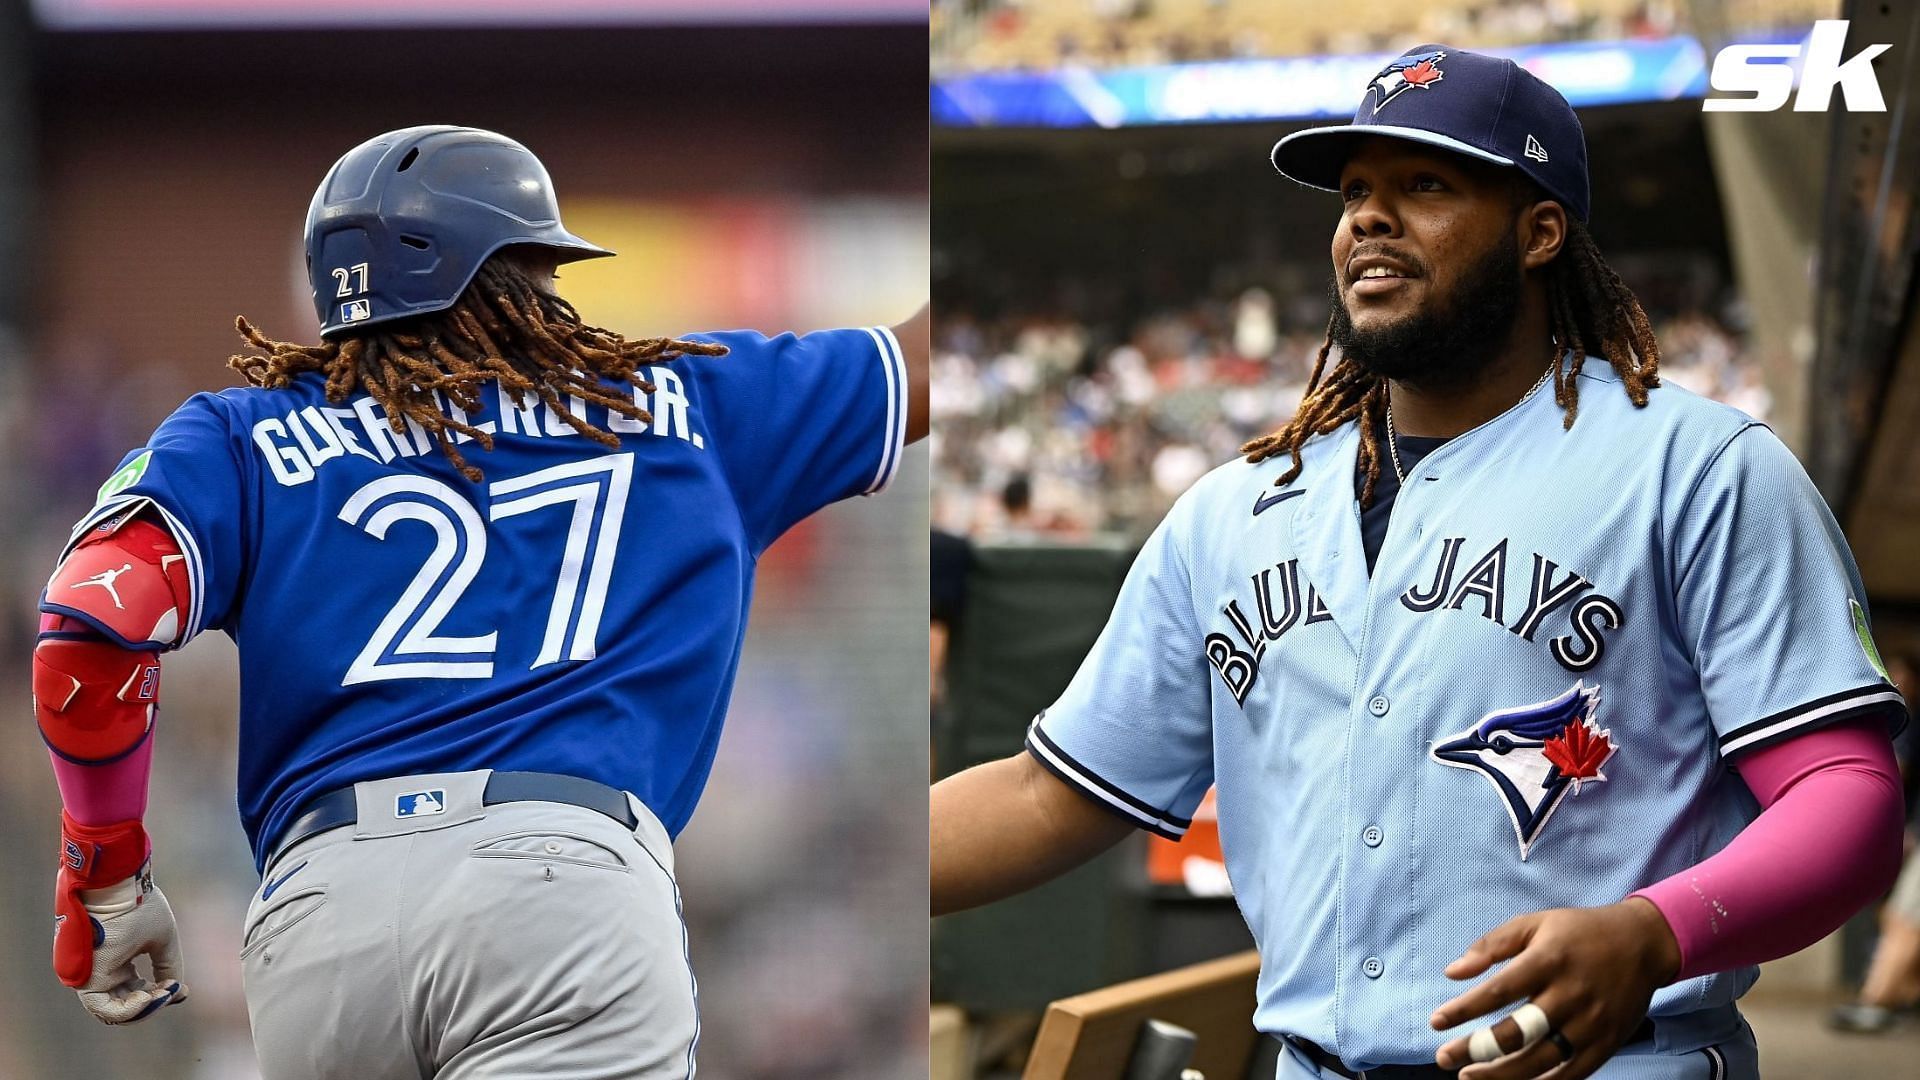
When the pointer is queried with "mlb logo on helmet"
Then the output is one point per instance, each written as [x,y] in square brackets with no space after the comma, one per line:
[355,311]
[420,803]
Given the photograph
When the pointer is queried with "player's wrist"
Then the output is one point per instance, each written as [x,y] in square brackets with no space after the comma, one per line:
[101,856]
[118,898]
[1660,956]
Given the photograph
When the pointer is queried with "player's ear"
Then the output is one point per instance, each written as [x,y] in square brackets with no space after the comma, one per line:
[1543,231]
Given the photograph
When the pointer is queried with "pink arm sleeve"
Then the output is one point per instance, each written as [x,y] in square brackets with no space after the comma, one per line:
[1826,844]
[106,794]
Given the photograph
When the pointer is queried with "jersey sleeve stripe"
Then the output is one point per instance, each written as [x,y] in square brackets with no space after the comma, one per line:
[97,515]
[1820,711]
[895,433]
[196,573]
[1090,784]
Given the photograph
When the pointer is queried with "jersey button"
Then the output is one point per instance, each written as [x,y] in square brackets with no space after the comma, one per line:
[1372,836]
[1373,967]
[1379,705]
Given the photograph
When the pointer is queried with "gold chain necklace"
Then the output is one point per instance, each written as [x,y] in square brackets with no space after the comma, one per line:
[1393,444]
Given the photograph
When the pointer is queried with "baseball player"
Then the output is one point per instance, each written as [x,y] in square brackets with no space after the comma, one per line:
[1500,654]
[487,567]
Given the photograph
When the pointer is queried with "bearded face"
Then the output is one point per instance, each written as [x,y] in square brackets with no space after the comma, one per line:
[1427,269]
[1444,338]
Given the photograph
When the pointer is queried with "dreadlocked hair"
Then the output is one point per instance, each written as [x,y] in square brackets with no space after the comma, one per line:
[503,329]
[1590,310]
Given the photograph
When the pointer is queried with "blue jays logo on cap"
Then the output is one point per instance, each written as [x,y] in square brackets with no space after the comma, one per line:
[1420,70]
[1534,755]
[1490,109]
[419,803]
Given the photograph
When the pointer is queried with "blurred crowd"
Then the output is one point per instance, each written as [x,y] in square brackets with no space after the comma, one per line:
[1051,425]
[976,35]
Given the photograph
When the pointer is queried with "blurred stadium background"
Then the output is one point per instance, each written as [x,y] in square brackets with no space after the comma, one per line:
[756,163]
[1125,292]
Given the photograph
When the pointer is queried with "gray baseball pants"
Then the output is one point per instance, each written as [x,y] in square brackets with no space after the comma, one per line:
[509,942]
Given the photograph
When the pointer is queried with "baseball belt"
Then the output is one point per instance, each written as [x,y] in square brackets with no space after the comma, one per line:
[1326,1062]
[340,807]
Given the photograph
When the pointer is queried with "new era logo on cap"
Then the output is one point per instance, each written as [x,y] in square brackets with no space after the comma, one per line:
[1535,150]
[420,803]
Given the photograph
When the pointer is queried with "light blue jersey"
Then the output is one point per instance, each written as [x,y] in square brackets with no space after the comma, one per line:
[1531,703]
[579,611]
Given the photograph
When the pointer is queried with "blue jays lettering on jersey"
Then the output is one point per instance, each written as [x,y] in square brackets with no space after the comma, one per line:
[580,611]
[1530,702]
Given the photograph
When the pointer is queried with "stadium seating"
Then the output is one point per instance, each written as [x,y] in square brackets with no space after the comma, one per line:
[1041,34]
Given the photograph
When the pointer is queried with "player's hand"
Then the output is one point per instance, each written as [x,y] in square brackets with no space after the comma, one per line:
[1593,972]
[116,925]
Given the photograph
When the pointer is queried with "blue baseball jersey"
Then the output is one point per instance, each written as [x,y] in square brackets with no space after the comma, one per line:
[580,611]
[1536,699]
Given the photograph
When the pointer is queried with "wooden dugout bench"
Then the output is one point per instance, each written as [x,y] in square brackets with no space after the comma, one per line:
[1091,1036]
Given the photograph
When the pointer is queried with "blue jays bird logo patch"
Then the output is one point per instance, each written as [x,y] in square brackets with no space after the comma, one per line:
[1419,69]
[1534,755]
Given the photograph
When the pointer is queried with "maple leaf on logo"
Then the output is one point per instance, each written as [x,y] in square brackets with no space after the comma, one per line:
[1579,752]
[1422,73]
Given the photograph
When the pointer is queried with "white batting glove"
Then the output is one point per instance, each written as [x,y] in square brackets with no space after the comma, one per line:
[130,920]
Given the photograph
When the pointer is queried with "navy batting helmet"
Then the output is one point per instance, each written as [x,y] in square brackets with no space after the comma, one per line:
[402,223]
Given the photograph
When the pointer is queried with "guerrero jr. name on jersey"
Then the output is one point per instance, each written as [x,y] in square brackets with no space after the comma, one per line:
[1279,605]
[303,440]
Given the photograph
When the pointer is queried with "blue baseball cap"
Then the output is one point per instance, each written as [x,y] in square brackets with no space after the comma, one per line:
[1484,107]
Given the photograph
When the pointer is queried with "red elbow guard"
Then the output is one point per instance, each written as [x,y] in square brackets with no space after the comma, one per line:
[94,700]
[127,580]
[117,600]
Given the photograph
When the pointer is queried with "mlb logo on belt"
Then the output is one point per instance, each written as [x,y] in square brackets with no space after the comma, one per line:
[420,803]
